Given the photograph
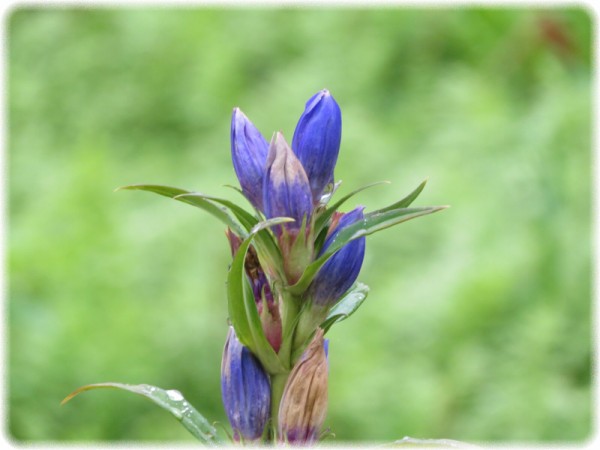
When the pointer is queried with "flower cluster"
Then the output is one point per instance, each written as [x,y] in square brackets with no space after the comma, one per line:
[295,261]
[295,182]
[318,255]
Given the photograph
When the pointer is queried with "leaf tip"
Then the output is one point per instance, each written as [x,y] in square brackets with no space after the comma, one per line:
[187,194]
[71,395]
[129,187]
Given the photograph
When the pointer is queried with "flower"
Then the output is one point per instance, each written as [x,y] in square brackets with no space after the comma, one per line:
[316,140]
[249,151]
[245,389]
[304,401]
[286,191]
[341,270]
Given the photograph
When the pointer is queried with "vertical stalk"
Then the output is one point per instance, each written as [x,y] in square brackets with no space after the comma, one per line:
[290,312]
[277,386]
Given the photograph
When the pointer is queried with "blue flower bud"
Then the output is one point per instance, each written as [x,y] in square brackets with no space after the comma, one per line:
[249,151]
[245,389]
[304,401]
[341,270]
[286,192]
[317,139]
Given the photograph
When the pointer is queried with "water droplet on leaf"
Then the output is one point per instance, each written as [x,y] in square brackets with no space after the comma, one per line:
[175,395]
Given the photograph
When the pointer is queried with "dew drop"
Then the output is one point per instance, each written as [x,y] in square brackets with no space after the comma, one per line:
[175,395]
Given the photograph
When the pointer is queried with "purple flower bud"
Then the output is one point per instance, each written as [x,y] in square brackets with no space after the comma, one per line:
[317,139]
[286,190]
[249,151]
[304,401]
[245,389]
[341,270]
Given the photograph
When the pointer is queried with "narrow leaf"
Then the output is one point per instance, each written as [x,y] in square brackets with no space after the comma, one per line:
[235,297]
[326,215]
[431,443]
[246,219]
[171,401]
[269,223]
[183,196]
[346,306]
[242,308]
[369,225]
[406,201]
[266,248]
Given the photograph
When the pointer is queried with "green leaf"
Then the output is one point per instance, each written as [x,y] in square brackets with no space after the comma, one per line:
[266,248]
[326,215]
[370,224]
[431,443]
[269,223]
[171,401]
[246,219]
[406,201]
[183,196]
[346,306]
[242,306]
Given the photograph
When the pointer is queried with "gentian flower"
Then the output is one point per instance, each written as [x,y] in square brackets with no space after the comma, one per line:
[249,151]
[304,402]
[245,389]
[286,191]
[287,194]
[316,140]
[341,270]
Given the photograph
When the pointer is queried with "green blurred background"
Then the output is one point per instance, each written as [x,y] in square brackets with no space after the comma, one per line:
[477,327]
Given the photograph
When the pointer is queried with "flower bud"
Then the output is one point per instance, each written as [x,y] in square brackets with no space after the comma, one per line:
[304,401]
[249,151]
[341,270]
[286,190]
[245,389]
[317,139]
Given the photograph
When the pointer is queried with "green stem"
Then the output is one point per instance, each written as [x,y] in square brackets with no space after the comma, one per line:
[307,325]
[277,386]
[290,313]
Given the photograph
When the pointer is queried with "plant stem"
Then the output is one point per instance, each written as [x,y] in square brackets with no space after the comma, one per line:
[277,386]
[290,312]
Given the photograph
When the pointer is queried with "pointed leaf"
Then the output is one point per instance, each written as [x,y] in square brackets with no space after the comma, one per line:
[432,443]
[268,251]
[269,223]
[246,219]
[326,215]
[181,195]
[242,309]
[346,306]
[370,224]
[406,201]
[171,401]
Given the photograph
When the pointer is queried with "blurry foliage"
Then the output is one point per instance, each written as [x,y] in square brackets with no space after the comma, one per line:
[477,327]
